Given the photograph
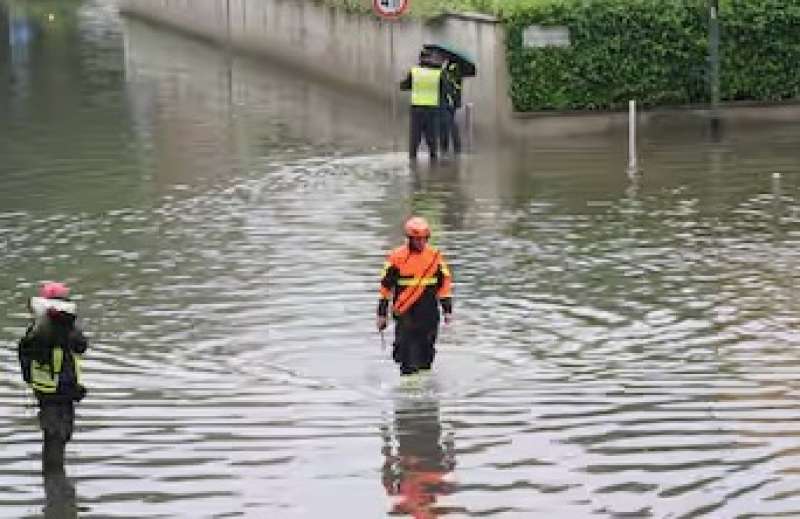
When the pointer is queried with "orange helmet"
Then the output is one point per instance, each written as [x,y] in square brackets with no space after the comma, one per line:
[417,227]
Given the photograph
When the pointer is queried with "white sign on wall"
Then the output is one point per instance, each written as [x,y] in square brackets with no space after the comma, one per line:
[541,36]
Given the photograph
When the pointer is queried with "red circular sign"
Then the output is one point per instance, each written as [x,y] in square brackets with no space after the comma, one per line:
[389,8]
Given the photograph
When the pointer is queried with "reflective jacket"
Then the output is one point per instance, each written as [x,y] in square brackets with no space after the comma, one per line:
[453,85]
[418,282]
[425,86]
[50,359]
[46,376]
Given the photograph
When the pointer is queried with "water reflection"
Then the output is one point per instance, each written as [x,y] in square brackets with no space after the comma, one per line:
[21,32]
[60,496]
[220,116]
[438,194]
[61,113]
[419,458]
[620,347]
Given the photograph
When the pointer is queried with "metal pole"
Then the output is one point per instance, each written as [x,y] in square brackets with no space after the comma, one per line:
[633,166]
[228,23]
[713,56]
[393,86]
[228,53]
[227,28]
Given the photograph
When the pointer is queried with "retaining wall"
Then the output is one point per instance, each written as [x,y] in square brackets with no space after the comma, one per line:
[360,52]
[370,56]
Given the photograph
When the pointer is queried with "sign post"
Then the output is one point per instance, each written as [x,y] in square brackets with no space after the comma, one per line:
[391,10]
[713,58]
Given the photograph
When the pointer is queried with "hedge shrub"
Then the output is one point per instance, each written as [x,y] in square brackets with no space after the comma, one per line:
[760,49]
[654,51]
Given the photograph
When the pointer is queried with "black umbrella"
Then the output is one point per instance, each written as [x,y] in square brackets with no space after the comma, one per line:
[466,63]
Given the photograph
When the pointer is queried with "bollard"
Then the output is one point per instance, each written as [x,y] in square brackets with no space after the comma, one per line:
[777,206]
[633,165]
[776,184]
[713,58]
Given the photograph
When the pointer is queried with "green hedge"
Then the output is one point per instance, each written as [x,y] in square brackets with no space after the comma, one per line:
[760,49]
[654,51]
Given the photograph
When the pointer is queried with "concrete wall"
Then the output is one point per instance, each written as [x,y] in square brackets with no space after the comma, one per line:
[359,52]
[369,55]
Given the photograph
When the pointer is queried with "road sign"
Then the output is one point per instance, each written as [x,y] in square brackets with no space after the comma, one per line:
[540,36]
[389,8]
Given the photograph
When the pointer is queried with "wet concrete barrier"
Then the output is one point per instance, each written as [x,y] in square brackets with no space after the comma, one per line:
[370,56]
[359,52]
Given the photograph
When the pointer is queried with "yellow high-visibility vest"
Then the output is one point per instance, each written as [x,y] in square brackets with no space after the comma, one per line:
[45,375]
[425,86]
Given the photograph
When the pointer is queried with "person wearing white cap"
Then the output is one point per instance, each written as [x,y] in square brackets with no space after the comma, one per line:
[50,357]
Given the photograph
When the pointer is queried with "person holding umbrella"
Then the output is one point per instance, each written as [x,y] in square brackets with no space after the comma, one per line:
[456,65]
[427,94]
[454,84]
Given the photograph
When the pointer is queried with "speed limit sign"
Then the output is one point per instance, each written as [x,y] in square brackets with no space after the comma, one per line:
[389,8]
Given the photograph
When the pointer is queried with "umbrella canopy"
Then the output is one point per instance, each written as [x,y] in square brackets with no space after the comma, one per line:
[465,62]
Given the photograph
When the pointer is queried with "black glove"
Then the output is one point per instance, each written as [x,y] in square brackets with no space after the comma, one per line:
[79,392]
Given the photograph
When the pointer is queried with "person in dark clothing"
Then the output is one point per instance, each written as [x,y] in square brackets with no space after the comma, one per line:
[427,94]
[50,355]
[453,86]
[418,279]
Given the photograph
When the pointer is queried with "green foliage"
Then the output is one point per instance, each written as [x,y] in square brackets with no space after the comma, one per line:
[652,51]
[649,50]
[760,49]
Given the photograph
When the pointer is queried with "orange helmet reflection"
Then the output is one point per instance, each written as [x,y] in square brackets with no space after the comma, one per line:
[417,227]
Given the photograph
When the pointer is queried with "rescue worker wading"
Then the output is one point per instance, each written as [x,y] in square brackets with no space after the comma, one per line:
[418,280]
[427,95]
[50,356]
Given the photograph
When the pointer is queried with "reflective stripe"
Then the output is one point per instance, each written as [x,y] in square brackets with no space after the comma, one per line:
[58,359]
[415,282]
[41,378]
[45,375]
[385,269]
[425,86]
[410,296]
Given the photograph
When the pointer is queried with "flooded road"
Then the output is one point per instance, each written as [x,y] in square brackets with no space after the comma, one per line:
[621,347]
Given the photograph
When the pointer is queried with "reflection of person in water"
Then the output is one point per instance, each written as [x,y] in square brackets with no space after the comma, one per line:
[60,501]
[418,461]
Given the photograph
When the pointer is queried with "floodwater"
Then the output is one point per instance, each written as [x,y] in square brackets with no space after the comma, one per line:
[623,347]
